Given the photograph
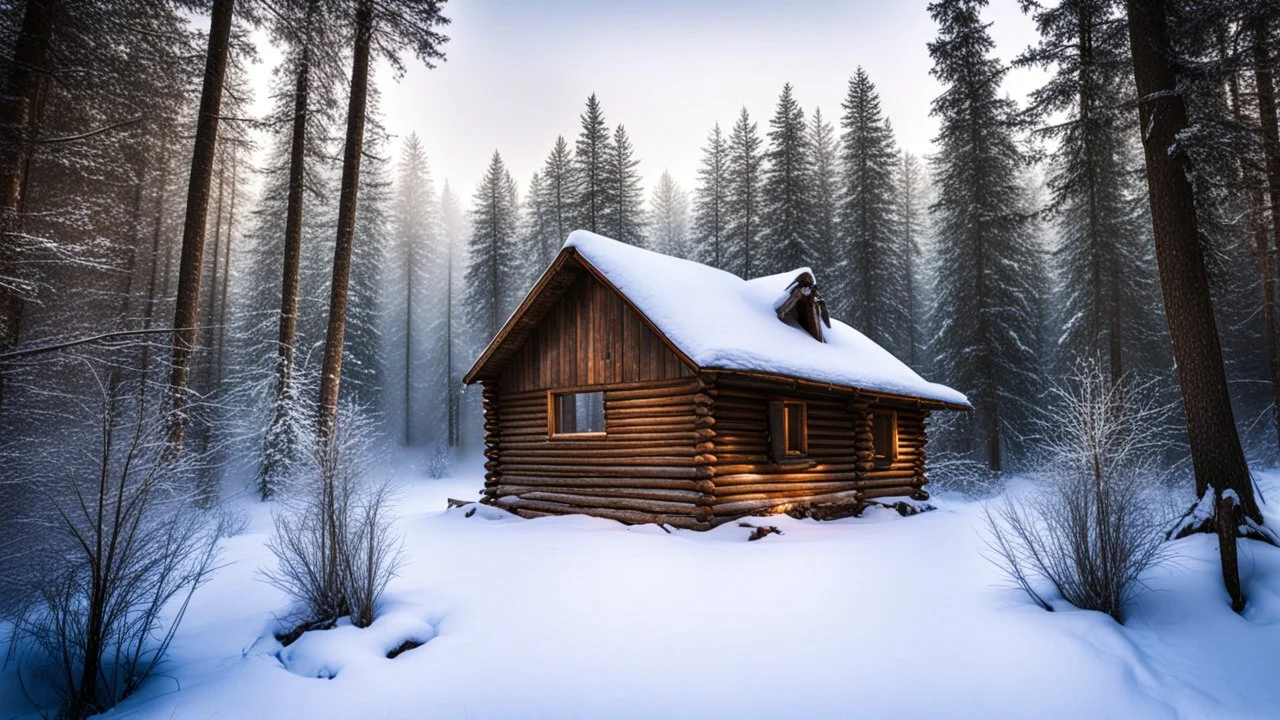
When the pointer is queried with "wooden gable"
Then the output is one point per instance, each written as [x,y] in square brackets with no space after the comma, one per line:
[590,336]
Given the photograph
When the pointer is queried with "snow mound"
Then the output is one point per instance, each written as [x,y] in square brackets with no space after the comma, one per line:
[328,653]
[722,322]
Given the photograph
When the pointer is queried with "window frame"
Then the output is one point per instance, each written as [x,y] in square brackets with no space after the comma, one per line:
[778,447]
[891,455]
[553,417]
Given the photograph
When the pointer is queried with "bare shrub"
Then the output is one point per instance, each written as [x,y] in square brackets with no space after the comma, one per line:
[116,549]
[1095,521]
[335,544]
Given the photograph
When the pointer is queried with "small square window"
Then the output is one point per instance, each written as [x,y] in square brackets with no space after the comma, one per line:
[578,413]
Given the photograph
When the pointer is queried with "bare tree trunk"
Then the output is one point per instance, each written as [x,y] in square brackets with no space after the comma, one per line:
[1216,454]
[331,372]
[19,116]
[1262,64]
[208,331]
[226,275]
[293,230]
[186,314]
[408,343]
[451,392]
[149,311]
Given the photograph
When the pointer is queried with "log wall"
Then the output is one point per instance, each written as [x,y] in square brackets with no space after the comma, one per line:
[839,467]
[647,468]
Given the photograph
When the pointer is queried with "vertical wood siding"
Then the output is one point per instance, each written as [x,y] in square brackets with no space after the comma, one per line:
[590,337]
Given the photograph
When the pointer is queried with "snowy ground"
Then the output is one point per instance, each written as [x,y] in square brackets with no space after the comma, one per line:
[581,618]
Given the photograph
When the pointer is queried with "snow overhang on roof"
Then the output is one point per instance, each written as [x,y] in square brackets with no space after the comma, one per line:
[718,321]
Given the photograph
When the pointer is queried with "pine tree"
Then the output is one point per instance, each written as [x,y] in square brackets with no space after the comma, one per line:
[1102,257]
[669,218]
[786,214]
[624,212]
[711,204]
[373,289]
[825,185]
[416,242]
[453,238]
[493,251]
[986,284]
[537,236]
[908,226]
[593,198]
[560,183]
[875,276]
[744,253]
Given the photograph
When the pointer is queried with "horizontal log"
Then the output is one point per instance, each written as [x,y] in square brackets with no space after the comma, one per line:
[607,446]
[783,489]
[645,403]
[889,474]
[657,507]
[607,483]
[772,504]
[887,482]
[594,459]
[620,439]
[684,411]
[678,420]
[798,477]
[893,491]
[652,389]
[629,517]
[616,450]
[687,496]
[605,471]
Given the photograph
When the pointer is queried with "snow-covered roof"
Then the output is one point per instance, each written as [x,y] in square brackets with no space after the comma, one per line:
[722,322]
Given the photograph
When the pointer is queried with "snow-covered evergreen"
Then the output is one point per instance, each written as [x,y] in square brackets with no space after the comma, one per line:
[987,285]
[744,252]
[786,210]
[711,203]
[669,218]
[874,270]
[494,263]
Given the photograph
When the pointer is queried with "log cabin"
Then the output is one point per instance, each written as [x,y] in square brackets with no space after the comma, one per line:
[646,388]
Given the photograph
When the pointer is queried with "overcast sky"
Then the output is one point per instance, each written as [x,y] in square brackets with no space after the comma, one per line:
[518,73]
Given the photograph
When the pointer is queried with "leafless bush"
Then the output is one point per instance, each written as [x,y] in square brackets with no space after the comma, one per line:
[116,549]
[1095,521]
[335,544]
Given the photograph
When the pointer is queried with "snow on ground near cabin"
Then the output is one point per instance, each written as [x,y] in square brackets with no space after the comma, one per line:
[724,322]
[575,617]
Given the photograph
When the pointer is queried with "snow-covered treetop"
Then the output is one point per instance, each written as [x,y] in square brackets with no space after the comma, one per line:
[722,322]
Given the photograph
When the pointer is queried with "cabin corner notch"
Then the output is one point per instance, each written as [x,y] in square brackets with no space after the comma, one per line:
[802,306]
